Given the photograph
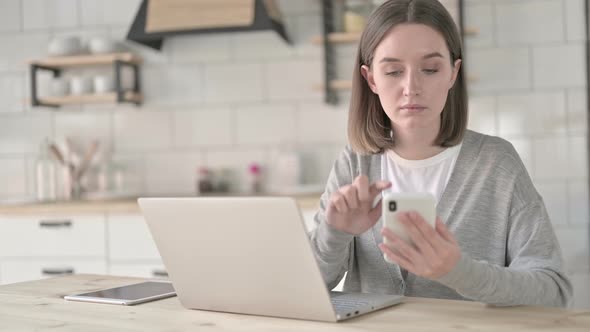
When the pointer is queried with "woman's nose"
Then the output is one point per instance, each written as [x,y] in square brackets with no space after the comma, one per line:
[413,86]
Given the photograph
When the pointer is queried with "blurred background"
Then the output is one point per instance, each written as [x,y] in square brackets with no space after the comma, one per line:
[259,109]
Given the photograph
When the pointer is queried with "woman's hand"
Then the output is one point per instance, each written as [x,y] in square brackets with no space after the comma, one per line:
[351,210]
[434,251]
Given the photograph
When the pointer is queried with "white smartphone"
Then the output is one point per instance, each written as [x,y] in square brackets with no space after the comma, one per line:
[394,203]
[129,294]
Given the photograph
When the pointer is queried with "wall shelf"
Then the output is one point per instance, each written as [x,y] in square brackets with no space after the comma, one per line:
[57,64]
[86,60]
[128,96]
[352,37]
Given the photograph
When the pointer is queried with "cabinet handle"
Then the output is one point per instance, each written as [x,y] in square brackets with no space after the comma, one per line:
[57,271]
[55,223]
[159,273]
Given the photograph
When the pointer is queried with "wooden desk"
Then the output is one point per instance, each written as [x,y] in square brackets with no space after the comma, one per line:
[38,306]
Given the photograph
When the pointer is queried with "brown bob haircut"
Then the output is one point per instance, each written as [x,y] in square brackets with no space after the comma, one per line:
[368,126]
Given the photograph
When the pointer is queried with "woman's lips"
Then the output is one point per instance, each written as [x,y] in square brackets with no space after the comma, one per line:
[413,108]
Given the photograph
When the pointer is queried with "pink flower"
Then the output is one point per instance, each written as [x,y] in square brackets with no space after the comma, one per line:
[254,168]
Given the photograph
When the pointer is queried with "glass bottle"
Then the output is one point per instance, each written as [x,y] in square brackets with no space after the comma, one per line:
[255,183]
[204,183]
[222,180]
[45,174]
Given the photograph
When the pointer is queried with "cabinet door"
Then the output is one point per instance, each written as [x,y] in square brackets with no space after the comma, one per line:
[130,239]
[51,236]
[152,271]
[23,270]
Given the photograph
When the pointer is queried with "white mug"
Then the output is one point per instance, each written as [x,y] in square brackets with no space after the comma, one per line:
[80,85]
[59,87]
[103,84]
[102,45]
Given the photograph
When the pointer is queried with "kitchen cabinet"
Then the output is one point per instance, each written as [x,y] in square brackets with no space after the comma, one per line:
[129,239]
[132,251]
[17,270]
[52,236]
[142,270]
[43,240]
[34,247]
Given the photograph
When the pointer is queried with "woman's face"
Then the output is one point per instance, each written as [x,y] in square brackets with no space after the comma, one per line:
[412,73]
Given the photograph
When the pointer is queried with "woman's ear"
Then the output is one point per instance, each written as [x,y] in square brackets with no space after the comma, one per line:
[456,68]
[368,75]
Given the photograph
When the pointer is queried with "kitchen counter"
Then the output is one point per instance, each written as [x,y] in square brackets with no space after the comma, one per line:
[126,205]
[38,306]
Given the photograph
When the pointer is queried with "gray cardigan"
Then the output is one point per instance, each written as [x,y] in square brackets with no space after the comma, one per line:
[510,255]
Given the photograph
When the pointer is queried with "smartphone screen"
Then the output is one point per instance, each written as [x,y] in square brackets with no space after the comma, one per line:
[129,294]
[135,291]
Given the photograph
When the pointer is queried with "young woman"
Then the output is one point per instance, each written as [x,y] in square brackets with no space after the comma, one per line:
[493,241]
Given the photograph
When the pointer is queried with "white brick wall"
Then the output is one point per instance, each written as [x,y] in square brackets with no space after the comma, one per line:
[529,22]
[212,127]
[574,21]
[506,69]
[529,114]
[321,123]
[577,111]
[529,62]
[13,177]
[200,48]
[558,66]
[12,92]
[107,12]
[266,125]
[231,82]
[173,84]
[23,133]
[23,46]
[226,100]
[49,14]
[142,130]
[84,126]
[159,180]
[10,15]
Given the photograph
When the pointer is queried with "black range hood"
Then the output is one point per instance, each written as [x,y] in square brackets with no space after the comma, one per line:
[263,20]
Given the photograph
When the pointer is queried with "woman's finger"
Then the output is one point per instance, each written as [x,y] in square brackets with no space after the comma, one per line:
[351,197]
[420,241]
[361,183]
[397,258]
[338,202]
[442,229]
[429,233]
[377,187]
[402,247]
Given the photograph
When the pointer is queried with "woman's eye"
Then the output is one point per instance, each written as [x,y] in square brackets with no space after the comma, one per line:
[394,73]
[431,71]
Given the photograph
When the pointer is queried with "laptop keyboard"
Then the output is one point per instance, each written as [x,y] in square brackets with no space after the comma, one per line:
[347,302]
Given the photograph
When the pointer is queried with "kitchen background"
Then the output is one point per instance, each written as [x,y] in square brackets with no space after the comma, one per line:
[227,100]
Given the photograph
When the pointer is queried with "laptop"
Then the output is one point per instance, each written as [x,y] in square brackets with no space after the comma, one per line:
[247,255]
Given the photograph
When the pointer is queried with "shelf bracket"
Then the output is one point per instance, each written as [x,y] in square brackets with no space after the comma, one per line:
[118,66]
[34,93]
[331,96]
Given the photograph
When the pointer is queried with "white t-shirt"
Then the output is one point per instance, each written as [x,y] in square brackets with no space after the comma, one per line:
[426,175]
